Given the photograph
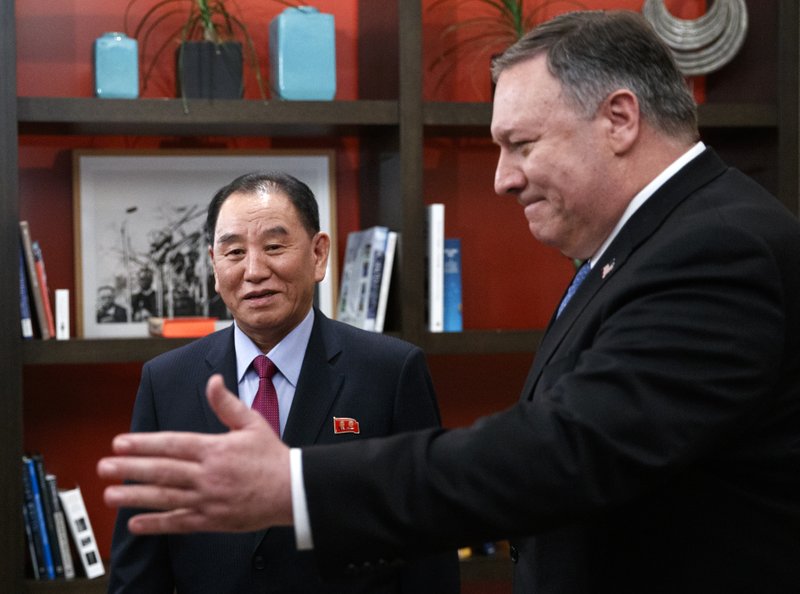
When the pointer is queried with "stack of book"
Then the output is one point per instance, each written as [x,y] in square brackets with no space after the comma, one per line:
[56,525]
[366,276]
[35,306]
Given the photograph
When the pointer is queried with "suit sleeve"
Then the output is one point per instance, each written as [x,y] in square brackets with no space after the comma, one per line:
[416,408]
[139,563]
[651,382]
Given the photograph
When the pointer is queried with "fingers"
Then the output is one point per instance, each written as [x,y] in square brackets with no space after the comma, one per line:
[151,470]
[179,521]
[231,411]
[149,497]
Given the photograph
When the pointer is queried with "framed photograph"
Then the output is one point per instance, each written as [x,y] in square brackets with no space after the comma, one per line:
[140,248]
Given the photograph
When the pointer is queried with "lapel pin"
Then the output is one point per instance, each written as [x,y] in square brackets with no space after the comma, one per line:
[608,268]
[345,425]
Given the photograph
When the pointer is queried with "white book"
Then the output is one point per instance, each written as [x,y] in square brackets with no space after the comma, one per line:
[81,529]
[435,251]
[361,274]
[386,279]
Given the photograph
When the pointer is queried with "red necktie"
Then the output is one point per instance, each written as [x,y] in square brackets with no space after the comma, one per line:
[266,401]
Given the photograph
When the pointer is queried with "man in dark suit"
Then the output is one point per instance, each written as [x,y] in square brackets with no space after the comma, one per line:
[656,445]
[334,384]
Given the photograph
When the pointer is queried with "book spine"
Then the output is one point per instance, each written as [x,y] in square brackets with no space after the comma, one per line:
[32,525]
[24,301]
[49,523]
[47,554]
[33,280]
[41,275]
[81,530]
[435,251]
[375,275]
[60,523]
[383,296]
[453,319]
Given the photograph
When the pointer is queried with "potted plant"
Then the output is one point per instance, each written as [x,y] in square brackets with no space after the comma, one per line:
[211,43]
[493,26]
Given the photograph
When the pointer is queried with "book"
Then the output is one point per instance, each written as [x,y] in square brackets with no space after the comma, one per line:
[33,528]
[62,314]
[33,280]
[81,530]
[60,522]
[41,275]
[188,327]
[435,266]
[32,555]
[453,319]
[361,277]
[31,484]
[49,522]
[386,279]
[24,301]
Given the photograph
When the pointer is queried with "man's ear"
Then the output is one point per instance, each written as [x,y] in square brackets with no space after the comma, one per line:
[213,267]
[621,110]
[321,246]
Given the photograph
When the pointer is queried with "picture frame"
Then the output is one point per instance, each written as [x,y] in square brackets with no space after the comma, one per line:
[140,214]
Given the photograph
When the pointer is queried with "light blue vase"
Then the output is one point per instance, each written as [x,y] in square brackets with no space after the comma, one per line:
[302,50]
[116,67]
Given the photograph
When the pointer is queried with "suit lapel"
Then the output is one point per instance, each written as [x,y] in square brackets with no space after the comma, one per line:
[220,358]
[317,387]
[644,222]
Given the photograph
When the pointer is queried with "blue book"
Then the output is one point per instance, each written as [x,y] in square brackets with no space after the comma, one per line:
[39,517]
[24,301]
[453,319]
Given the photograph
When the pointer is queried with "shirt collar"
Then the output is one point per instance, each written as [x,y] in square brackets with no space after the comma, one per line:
[645,194]
[287,354]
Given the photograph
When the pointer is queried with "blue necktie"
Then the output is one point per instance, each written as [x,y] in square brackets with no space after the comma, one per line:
[582,273]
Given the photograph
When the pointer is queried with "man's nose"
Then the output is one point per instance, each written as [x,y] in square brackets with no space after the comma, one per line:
[508,178]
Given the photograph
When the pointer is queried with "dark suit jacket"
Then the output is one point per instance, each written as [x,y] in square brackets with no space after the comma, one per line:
[656,446]
[381,382]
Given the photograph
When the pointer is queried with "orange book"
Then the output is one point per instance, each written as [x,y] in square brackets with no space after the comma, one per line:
[189,327]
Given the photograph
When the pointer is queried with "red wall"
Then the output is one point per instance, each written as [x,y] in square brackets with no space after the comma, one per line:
[71,412]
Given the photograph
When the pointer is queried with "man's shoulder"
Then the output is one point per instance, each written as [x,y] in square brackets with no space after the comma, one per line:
[192,351]
[375,342]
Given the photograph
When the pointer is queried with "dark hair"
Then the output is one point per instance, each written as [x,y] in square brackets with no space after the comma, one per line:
[593,53]
[300,195]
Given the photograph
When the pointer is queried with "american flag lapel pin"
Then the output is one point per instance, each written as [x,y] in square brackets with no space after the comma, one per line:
[608,267]
[345,425]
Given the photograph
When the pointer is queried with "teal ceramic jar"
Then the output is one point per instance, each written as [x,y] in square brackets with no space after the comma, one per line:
[116,67]
[302,54]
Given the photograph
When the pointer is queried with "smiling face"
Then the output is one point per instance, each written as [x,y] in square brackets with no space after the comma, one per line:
[556,162]
[266,264]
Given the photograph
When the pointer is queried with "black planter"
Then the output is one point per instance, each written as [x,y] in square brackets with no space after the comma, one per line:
[206,70]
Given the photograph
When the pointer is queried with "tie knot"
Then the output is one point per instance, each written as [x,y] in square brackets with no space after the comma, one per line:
[264,367]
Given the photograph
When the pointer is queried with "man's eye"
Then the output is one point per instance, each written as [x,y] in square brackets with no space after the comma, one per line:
[234,253]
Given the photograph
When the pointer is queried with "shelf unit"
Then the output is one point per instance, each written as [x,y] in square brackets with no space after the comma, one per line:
[391,121]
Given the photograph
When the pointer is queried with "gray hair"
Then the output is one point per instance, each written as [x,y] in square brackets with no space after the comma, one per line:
[593,53]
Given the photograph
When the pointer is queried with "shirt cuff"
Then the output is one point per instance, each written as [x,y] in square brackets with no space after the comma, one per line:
[302,523]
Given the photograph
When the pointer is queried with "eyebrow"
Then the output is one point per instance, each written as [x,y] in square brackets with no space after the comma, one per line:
[278,230]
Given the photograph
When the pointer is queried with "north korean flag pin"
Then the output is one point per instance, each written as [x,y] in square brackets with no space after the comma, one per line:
[345,425]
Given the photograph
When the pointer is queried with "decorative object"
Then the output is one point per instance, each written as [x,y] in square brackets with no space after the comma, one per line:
[209,70]
[705,44]
[168,21]
[491,30]
[116,67]
[139,220]
[302,49]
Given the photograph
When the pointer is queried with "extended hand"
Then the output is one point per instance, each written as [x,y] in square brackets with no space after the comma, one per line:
[231,482]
